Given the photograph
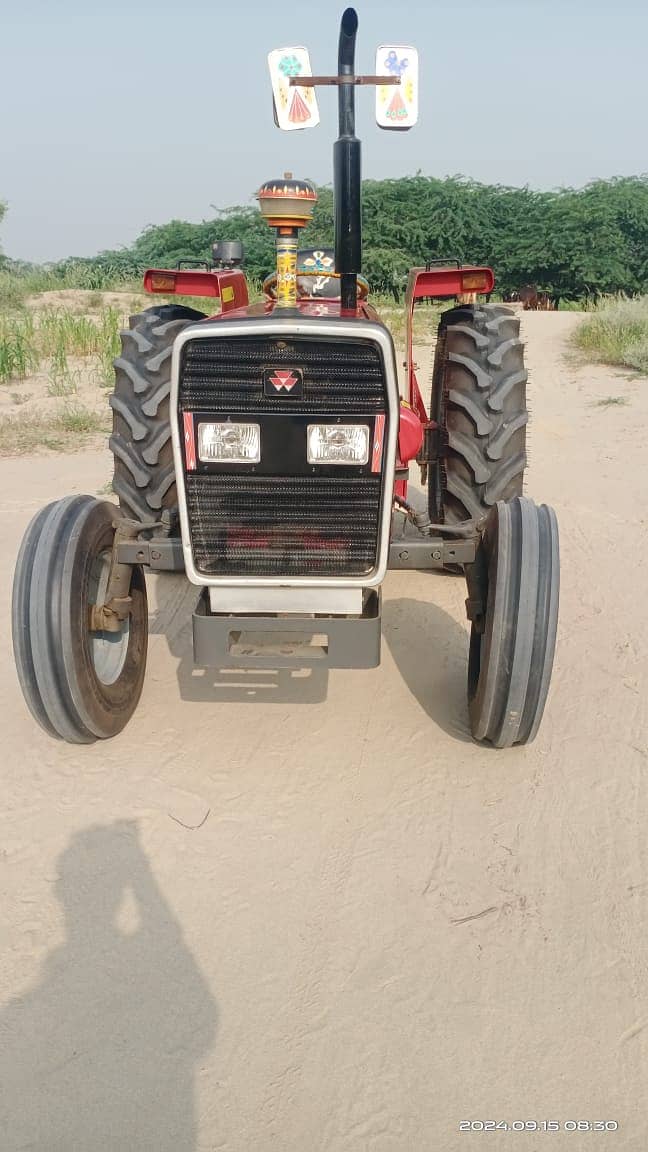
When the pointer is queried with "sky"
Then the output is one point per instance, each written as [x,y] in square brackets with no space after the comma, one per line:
[117,115]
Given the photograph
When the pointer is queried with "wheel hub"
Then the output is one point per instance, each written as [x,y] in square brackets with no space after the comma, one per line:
[109,632]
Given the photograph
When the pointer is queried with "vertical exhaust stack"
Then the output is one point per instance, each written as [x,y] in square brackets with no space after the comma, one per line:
[397,65]
[347,172]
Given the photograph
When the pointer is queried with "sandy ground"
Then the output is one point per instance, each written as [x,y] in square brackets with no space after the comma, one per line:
[308,914]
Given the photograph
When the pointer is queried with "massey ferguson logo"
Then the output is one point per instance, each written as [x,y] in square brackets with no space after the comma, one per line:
[283,382]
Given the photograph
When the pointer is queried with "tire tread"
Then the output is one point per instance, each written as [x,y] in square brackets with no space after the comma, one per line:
[479,399]
[511,660]
[144,478]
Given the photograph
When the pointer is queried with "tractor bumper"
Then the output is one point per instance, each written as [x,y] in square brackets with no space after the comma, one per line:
[233,640]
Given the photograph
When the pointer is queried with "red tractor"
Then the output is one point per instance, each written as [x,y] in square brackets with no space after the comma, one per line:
[266,451]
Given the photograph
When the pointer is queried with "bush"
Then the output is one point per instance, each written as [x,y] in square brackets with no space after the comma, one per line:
[573,243]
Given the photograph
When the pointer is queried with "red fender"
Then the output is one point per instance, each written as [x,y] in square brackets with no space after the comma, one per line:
[410,434]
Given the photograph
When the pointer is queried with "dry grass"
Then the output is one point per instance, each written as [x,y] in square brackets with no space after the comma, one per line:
[66,431]
[612,402]
[424,325]
[616,333]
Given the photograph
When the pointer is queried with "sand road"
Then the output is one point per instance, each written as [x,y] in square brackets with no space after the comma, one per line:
[308,914]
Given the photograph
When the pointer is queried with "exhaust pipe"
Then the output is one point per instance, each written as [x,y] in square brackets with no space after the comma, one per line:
[347,172]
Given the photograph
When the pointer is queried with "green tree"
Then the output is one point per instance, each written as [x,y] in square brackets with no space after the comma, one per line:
[573,242]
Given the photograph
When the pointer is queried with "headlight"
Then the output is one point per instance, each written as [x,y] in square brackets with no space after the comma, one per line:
[229,443]
[338,443]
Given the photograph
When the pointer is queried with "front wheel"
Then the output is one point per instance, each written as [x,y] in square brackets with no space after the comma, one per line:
[513,604]
[80,684]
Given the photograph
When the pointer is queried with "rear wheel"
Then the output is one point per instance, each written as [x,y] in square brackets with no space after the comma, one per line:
[80,684]
[144,476]
[513,603]
[479,402]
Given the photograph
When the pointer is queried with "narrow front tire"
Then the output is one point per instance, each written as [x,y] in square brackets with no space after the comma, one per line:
[79,684]
[514,592]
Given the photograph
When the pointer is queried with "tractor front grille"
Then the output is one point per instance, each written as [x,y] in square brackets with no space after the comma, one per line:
[283,517]
[226,374]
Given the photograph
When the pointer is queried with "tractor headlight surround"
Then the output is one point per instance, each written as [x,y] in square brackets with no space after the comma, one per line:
[229,442]
[342,444]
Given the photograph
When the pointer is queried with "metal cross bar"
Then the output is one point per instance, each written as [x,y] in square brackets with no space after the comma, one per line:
[319,81]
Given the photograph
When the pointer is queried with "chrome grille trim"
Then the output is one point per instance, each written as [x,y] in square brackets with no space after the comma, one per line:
[299,326]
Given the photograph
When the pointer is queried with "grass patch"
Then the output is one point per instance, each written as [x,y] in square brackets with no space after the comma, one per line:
[12,292]
[67,430]
[109,347]
[573,306]
[61,380]
[616,333]
[62,384]
[77,418]
[424,324]
[30,281]
[60,331]
[18,353]
[55,334]
[611,401]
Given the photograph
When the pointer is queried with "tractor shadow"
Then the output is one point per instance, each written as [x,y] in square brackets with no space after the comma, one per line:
[103,1052]
[430,650]
[175,601]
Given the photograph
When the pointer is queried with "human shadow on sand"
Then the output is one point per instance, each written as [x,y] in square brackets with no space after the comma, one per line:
[101,1055]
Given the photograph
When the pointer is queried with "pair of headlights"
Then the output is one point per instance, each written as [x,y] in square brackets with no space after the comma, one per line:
[231,443]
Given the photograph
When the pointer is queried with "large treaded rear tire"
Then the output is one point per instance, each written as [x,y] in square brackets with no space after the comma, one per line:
[144,477]
[479,401]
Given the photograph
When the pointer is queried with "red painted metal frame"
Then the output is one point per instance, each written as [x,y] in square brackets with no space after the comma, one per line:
[445,282]
[438,283]
[228,284]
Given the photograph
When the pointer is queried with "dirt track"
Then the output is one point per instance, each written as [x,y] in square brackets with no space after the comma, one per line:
[308,914]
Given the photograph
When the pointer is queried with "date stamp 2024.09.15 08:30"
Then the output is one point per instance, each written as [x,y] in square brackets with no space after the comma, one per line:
[538,1126]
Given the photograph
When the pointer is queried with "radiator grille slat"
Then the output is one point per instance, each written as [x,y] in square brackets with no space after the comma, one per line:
[283,526]
[227,375]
